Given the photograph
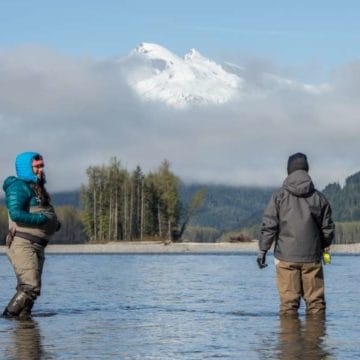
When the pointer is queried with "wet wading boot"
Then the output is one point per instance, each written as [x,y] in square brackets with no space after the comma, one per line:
[25,313]
[19,306]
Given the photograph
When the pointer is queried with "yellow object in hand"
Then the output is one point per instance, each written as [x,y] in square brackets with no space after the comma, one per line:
[326,258]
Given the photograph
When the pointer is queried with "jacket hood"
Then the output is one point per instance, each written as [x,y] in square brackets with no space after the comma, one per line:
[9,181]
[23,165]
[299,183]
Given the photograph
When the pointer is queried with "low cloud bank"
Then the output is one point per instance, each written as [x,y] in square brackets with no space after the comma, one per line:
[79,112]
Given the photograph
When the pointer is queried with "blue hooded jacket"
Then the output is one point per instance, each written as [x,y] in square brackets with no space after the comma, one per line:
[19,195]
[23,165]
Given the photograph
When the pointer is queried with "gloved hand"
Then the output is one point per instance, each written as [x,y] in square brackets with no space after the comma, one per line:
[58,226]
[261,259]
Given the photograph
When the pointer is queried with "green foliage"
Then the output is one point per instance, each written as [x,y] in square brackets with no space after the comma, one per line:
[193,207]
[105,200]
[228,207]
[122,206]
[345,202]
[169,199]
[347,232]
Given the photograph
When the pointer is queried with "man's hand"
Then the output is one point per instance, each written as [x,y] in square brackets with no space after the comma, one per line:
[261,259]
[10,237]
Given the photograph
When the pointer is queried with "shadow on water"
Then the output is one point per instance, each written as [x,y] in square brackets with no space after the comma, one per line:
[302,339]
[25,341]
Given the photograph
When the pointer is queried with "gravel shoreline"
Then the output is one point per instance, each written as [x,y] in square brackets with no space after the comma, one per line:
[173,248]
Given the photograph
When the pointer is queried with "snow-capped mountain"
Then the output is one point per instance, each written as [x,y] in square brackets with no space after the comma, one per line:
[156,74]
[160,75]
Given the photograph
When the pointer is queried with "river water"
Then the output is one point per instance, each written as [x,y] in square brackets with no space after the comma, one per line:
[189,306]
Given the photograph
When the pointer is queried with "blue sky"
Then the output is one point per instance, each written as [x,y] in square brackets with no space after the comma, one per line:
[289,32]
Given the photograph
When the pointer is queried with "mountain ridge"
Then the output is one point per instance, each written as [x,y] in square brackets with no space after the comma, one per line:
[176,81]
[156,74]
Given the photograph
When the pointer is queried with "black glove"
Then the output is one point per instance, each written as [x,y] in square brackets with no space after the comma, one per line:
[58,227]
[261,258]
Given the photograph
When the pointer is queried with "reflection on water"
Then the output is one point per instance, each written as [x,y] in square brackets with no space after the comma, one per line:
[302,339]
[25,341]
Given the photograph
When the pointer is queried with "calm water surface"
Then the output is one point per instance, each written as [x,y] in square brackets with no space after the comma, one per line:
[176,307]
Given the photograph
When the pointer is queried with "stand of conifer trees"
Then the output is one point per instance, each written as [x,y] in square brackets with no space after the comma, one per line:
[119,205]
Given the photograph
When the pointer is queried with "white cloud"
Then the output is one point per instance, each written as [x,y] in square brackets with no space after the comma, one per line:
[80,112]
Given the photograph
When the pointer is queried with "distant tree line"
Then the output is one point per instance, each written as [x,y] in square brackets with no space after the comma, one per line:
[118,205]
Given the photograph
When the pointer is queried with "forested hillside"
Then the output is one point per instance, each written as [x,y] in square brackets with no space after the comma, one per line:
[228,207]
[345,201]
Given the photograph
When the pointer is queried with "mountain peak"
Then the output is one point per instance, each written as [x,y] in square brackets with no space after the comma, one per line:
[146,48]
[192,54]
[157,74]
[154,51]
[178,81]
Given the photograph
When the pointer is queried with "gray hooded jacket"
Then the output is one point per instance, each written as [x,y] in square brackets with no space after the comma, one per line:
[298,219]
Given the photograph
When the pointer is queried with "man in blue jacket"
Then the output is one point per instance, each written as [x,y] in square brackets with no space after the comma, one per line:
[32,220]
[298,220]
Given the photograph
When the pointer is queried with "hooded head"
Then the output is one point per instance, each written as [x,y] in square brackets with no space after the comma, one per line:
[24,165]
[297,161]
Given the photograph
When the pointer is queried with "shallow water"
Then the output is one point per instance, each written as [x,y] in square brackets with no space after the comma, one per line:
[176,307]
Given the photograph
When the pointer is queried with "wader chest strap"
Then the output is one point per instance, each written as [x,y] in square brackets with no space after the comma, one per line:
[32,238]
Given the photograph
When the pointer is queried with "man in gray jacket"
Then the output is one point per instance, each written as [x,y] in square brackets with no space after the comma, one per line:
[298,220]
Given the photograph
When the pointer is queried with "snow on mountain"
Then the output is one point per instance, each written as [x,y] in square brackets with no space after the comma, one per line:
[160,75]
[156,74]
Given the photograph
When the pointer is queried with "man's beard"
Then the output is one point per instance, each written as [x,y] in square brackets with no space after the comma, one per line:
[42,180]
[41,191]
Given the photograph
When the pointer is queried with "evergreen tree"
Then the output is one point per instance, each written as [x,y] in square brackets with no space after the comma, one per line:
[168,185]
[120,206]
[195,204]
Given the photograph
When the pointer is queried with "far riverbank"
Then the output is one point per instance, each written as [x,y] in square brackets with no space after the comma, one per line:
[157,247]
